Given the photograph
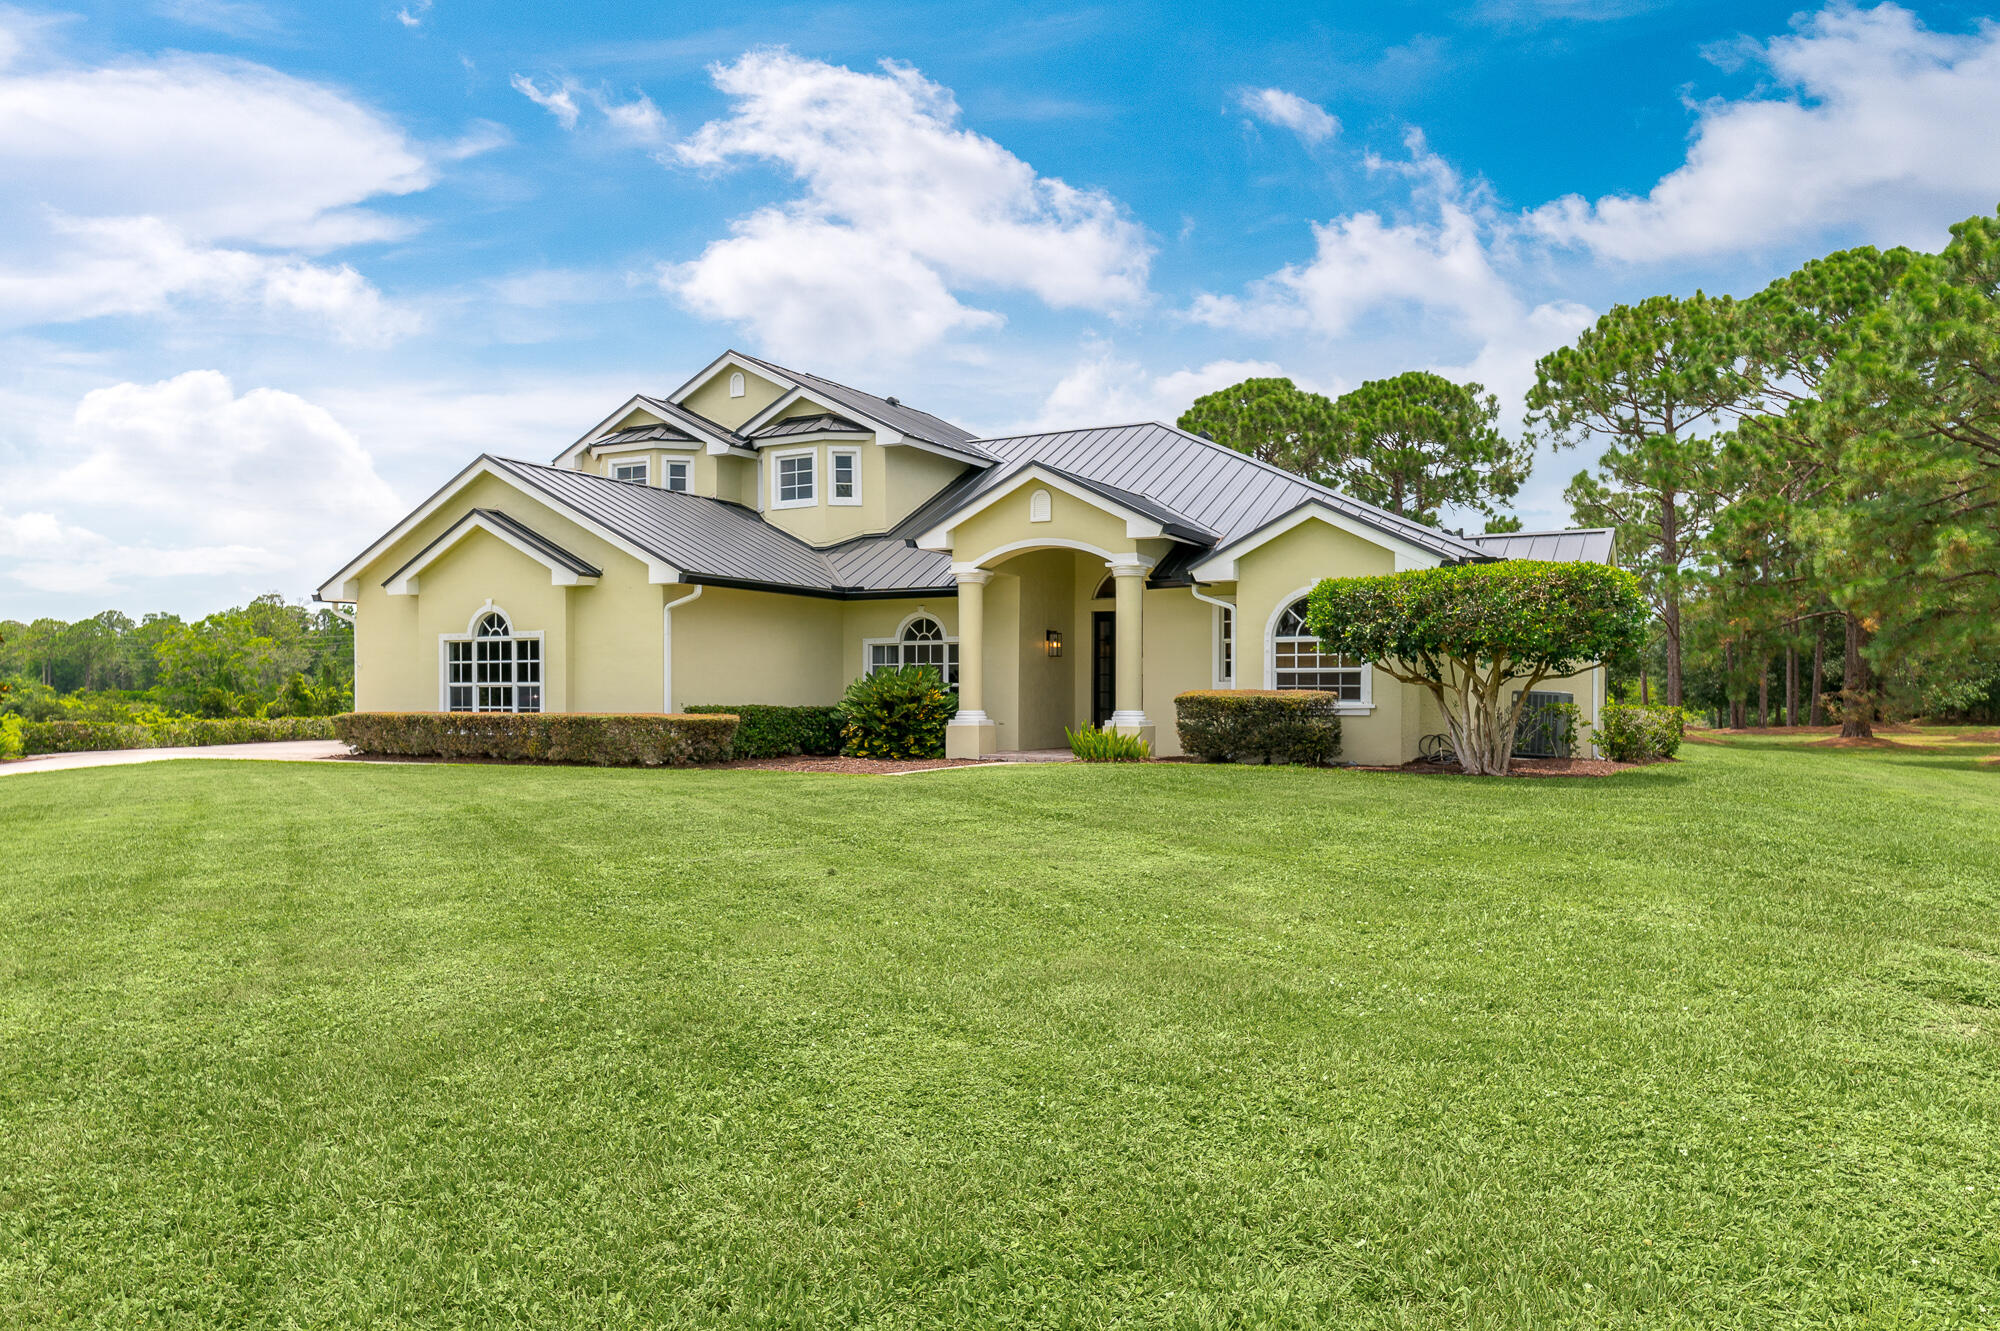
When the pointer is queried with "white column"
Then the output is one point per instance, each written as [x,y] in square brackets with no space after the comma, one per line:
[1129,716]
[971,733]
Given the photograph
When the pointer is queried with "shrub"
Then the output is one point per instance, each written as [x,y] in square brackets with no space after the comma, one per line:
[1242,725]
[1094,745]
[605,739]
[764,731]
[897,713]
[167,733]
[11,744]
[1629,734]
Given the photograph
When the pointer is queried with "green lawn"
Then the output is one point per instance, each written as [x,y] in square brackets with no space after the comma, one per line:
[1715,1044]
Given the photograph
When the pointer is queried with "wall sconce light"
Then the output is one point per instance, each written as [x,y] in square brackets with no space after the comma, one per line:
[1052,642]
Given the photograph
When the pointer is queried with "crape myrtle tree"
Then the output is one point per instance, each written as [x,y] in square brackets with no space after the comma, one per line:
[1650,382]
[1469,633]
[1417,442]
[1272,420]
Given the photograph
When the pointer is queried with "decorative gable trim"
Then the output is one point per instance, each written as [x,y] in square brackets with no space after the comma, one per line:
[1138,526]
[728,360]
[565,569]
[1221,565]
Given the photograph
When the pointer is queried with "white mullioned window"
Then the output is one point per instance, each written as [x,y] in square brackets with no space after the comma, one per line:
[1225,646]
[1297,662]
[793,480]
[921,641]
[630,471]
[677,476]
[491,668]
[844,468]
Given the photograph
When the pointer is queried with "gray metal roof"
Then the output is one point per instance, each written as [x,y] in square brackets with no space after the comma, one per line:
[1202,485]
[714,541]
[640,434]
[906,419]
[823,424]
[519,530]
[1592,545]
[674,411]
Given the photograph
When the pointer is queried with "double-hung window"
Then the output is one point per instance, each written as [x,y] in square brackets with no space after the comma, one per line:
[844,464]
[677,476]
[792,481]
[493,670]
[1299,663]
[629,471]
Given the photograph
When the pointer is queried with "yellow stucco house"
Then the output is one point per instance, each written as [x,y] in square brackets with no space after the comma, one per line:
[763,535]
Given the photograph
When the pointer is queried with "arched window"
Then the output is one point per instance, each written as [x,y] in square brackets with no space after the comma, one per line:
[736,384]
[1298,663]
[922,642]
[492,668]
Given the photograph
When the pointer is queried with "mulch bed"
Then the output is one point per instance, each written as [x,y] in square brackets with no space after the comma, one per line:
[1526,767]
[848,766]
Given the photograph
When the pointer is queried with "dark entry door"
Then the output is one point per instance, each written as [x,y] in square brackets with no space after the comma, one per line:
[1103,665]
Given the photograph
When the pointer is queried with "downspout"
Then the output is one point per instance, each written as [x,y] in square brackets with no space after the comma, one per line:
[1234,646]
[667,647]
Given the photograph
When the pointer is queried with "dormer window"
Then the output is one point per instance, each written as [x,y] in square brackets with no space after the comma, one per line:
[845,464]
[677,476]
[629,471]
[736,384]
[792,479]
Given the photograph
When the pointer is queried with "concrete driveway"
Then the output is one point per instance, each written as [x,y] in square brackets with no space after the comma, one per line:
[290,751]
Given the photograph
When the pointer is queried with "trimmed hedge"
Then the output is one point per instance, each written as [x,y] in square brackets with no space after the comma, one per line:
[1629,734]
[764,731]
[1253,725]
[604,739]
[88,736]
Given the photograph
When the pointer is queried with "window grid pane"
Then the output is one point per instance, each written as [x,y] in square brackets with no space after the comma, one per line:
[677,476]
[795,479]
[843,475]
[1298,662]
[494,671]
[629,471]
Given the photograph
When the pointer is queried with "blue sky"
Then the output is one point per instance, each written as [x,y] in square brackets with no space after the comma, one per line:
[270,271]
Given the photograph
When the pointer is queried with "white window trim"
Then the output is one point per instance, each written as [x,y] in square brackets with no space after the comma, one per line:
[472,633]
[868,645]
[1223,679]
[1361,708]
[667,474]
[832,497]
[777,467]
[645,466]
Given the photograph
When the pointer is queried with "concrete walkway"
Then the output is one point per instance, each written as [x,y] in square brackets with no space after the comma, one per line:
[289,750]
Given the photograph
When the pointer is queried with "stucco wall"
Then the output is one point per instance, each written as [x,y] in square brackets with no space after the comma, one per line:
[712,399]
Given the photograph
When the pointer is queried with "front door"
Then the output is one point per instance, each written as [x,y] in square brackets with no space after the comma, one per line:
[1103,665]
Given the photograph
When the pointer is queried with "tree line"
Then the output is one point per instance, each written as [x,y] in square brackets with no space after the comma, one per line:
[267,658]
[1806,481]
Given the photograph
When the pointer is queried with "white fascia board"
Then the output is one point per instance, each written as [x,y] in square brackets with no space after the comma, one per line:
[1221,566]
[651,446]
[727,360]
[343,586]
[406,582]
[815,437]
[1138,526]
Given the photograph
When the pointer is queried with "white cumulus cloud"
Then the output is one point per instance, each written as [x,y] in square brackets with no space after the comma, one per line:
[1107,389]
[1875,126]
[190,177]
[1287,110]
[263,488]
[903,211]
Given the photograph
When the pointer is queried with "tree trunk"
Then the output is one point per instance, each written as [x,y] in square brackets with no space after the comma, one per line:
[1645,688]
[1817,715]
[1764,693]
[1736,719]
[1670,612]
[1857,702]
[1792,685]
